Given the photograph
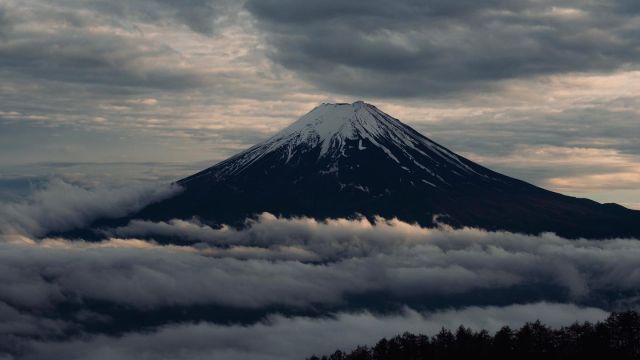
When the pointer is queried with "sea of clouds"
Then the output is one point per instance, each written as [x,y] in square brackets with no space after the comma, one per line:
[311,285]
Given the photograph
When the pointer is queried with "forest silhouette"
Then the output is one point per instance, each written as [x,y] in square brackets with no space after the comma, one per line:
[617,337]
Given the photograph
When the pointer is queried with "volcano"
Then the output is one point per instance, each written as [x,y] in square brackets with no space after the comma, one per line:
[346,160]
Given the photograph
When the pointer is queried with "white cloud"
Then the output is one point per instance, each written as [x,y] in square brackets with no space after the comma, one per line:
[297,264]
[62,206]
[300,262]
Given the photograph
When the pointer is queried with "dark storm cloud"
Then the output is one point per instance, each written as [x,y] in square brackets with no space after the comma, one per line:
[599,127]
[581,127]
[165,68]
[100,49]
[200,16]
[74,51]
[431,47]
[6,23]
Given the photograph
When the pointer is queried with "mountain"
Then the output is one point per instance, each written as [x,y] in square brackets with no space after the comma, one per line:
[340,160]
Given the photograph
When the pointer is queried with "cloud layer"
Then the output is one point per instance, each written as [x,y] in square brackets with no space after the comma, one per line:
[280,337]
[301,262]
[416,48]
[292,262]
[62,206]
[182,289]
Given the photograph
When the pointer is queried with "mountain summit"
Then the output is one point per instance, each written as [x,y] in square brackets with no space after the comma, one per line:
[341,160]
[342,141]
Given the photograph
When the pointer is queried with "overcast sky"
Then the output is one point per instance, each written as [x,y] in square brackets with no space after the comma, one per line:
[546,91]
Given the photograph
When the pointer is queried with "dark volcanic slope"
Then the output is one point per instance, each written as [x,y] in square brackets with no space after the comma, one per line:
[343,159]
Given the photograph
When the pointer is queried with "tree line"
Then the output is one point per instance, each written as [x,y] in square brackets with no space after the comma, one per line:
[617,337]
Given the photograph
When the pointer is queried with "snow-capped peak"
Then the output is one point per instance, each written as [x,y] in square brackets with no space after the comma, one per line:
[337,130]
[331,124]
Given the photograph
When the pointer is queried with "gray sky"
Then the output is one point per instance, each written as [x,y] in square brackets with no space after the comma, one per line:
[542,90]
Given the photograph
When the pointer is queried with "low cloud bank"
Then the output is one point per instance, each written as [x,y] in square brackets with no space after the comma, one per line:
[409,255]
[62,206]
[289,261]
[303,262]
[298,264]
[280,337]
